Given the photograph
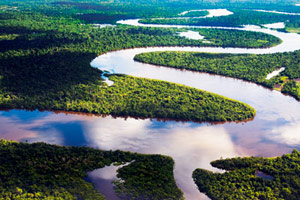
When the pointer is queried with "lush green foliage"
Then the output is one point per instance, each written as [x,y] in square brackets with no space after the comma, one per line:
[111,11]
[97,12]
[292,88]
[280,180]
[45,65]
[145,175]
[94,11]
[45,50]
[137,97]
[43,171]
[196,13]
[244,39]
[239,18]
[243,66]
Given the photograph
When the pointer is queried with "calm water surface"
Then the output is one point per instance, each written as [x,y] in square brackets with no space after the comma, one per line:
[102,180]
[274,131]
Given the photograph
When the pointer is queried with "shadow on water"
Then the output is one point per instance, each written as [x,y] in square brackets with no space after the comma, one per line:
[72,133]
[102,180]
[263,175]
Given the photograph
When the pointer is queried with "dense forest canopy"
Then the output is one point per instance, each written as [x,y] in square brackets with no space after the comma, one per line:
[253,68]
[141,9]
[46,47]
[43,171]
[237,19]
[45,65]
[252,178]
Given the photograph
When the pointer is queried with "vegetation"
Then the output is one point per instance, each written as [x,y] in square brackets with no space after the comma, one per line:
[243,39]
[293,29]
[95,12]
[252,178]
[292,88]
[45,65]
[243,66]
[239,18]
[196,13]
[43,171]
[45,50]
[137,97]
[139,179]
[109,12]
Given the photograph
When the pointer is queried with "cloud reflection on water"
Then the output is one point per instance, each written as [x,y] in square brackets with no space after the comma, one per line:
[35,126]
[13,130]
[289,134]
[192,145]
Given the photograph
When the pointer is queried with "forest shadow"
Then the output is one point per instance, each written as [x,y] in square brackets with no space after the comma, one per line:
[48,73]
[33,39]
[80,5]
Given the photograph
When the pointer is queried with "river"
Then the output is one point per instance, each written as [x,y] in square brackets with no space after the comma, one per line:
[274,131]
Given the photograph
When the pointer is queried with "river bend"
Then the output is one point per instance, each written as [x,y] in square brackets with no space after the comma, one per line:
[274,131]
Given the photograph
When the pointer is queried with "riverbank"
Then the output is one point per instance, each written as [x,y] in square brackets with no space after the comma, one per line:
[57,74]
[191,145]
[277,178]
[254,68]
[43,171]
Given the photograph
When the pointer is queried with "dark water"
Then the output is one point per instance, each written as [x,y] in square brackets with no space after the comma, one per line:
[263,175]
[102,180]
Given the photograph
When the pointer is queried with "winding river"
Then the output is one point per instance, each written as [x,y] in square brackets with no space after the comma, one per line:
[274,131]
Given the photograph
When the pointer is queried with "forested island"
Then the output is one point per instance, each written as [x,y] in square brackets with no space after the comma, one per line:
[250,67]
[252,178]
[242,39]
[38,71]
[238,19]
[44,171]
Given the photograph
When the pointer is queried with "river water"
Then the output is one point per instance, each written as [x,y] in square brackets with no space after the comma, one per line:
[274,131]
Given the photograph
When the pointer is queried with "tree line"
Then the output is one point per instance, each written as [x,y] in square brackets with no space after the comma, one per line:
[280,179]
[45,65]
[250,67]
[238,19]
[44,171]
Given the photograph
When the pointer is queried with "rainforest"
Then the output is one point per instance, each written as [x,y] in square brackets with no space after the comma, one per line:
[149,99]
